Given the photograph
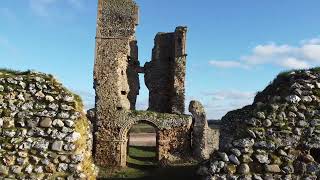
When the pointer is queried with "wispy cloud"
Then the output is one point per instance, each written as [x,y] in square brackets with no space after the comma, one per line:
[6,45]
[87,97]
[230,94]
[306,55]
[4,41]
[78,4]
[142,104]
[228,64]
[7,14]
[41,7]
[224,101]
[45,8]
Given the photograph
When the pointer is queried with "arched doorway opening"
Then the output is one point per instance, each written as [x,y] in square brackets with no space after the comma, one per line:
[142,146]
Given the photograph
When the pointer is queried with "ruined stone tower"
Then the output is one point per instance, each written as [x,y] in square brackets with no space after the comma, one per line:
[116,51]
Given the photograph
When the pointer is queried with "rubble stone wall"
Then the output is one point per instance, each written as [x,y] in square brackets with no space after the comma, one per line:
[44,133]
[277,137]
[213,138]
[173,134]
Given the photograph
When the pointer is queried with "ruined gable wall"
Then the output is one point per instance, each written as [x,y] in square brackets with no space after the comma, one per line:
[158,73]
[44,133]
[115,31]
[173,133]
[165,74]
[179,71]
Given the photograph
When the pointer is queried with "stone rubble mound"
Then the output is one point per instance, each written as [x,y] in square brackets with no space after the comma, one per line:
[44,133]
[277,137]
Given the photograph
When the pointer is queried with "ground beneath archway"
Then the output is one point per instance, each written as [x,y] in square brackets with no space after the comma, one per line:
[142,164]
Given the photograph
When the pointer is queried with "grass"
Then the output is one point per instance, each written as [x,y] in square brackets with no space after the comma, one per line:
[143,152]
[15,72]
[287,73]
[142,165]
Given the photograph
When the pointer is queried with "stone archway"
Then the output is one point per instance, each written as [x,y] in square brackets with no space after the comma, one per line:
[124,137]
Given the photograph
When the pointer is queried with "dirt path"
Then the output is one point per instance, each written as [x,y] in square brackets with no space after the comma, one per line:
[142,139]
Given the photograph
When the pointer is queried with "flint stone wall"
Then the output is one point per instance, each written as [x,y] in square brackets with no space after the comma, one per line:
[115,81]
[165,73]
[44,132]
[277,137]
[213,137]
[173,136]
[173,133]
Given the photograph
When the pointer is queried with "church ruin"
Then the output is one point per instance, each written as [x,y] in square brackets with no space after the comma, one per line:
[116,82]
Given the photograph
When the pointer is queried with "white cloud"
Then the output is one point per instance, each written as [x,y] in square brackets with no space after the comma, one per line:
[271,50]
[287,56]
[312,52]
[293,63]
[311,41]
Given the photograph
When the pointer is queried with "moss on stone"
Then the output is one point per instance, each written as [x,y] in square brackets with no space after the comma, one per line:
[162,116]
[82,126]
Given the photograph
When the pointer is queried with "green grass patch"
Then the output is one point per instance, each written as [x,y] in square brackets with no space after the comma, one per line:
[183,172]
[143,152]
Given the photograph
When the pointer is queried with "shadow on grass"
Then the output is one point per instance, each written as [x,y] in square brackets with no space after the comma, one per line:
[146,159]
[140,149]
[142,165]
[169,173]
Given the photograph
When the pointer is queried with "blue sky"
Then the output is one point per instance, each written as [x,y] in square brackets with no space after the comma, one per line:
[235,48]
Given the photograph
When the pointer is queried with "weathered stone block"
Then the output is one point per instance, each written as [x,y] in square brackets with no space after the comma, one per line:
[57,146]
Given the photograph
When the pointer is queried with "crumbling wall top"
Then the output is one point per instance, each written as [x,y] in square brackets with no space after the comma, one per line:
[117,18]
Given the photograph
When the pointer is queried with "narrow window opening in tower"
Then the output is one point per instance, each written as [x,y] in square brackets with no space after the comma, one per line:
[143,97]
[179,41]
